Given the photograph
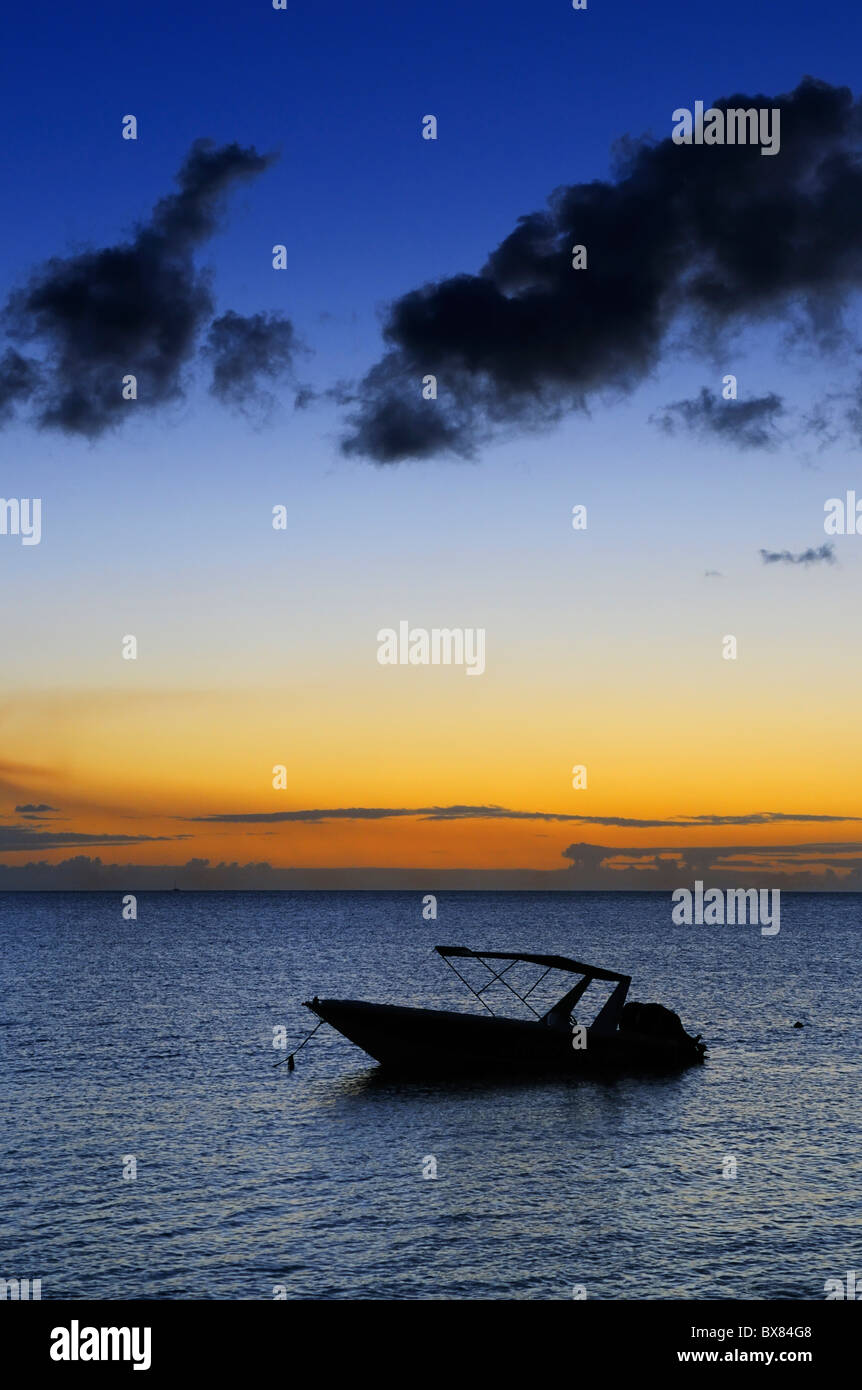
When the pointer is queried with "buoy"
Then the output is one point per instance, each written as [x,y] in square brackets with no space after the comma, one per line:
[291,1065]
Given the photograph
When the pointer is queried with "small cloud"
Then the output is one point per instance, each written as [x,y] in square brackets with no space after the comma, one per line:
[822,555]
[244,351]
[16,838]
[464,812]
[748,424]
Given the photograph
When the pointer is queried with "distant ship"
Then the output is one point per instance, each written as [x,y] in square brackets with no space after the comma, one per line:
[623,1037]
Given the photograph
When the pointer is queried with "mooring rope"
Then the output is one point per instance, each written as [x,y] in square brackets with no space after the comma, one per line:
[290,1057]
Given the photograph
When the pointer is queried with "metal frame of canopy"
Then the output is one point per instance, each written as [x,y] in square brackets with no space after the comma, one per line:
[606,1020]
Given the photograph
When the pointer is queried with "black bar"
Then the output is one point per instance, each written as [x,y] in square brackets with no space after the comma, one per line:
[815,1337]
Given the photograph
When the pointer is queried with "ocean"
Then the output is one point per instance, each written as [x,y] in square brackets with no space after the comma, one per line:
[151,1148]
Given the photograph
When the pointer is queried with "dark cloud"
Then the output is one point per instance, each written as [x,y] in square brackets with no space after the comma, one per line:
[819,865]
[15,838]
[822,555]
[453,813]
[38,814]
[693,853]
[133,308]
[833,867]
[393,423]
[19,377]
[587,858]
[245,350]
[746,424]
[704,237]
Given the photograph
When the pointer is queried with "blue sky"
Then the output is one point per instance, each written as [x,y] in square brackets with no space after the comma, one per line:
[162,527]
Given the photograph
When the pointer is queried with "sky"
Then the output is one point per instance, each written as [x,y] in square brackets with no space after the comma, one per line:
[301,388]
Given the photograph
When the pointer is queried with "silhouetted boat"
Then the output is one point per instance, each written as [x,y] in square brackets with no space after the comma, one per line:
[623,1037]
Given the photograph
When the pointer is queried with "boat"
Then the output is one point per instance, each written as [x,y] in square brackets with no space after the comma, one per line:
[623,1037]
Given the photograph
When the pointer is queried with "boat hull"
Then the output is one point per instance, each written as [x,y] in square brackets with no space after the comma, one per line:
[440,1042]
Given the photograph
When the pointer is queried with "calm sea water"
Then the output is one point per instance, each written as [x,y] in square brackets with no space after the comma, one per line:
[154,1039]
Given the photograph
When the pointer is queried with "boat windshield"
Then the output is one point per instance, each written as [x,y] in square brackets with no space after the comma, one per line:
[499,966]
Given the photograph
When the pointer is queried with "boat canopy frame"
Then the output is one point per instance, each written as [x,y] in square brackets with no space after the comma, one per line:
[608,1016]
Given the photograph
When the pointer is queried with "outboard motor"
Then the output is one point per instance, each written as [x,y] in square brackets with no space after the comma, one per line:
[655,1021]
